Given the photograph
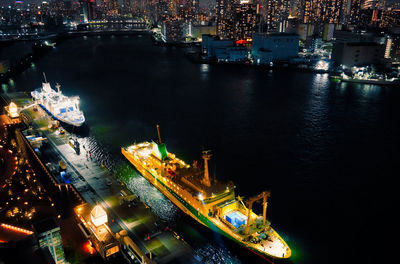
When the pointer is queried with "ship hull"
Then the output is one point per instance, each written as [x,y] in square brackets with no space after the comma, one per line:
[77,124]
[186,207]
[376,82]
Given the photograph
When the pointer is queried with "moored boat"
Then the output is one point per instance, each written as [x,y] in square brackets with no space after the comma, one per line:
[367,80]
[207,200]
[61,107]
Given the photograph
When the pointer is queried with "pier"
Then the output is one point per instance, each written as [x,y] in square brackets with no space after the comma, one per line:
[129,219]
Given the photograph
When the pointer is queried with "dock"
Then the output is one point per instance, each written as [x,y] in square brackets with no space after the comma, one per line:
[98,186]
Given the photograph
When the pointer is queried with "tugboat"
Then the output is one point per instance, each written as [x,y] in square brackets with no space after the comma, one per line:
[207,200]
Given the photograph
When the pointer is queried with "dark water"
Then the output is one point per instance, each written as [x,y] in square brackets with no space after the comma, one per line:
[327,151]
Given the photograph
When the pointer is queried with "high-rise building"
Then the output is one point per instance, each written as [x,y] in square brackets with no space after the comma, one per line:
[333,11]
[225,16]
[246,21]
[320,11]
[194,7]
[47,233]
[369,4]
[355,12]
[310,11]
[172,30]
[391,18]
[187,10]
[275,14]
[88,9]
[111,7]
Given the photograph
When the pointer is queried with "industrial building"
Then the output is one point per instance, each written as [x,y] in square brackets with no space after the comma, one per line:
[274,47]
[358,53]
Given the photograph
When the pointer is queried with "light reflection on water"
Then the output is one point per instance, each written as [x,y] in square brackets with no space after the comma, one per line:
[315,114]
[153,198]
[300,123]
[363,90]
[208,252]
[204,69]
[4,88]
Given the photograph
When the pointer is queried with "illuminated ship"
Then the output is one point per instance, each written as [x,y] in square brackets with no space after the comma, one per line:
[61,107]
[366,78]
[209,201]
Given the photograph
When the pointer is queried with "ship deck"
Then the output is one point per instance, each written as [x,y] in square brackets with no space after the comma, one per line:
[190,179]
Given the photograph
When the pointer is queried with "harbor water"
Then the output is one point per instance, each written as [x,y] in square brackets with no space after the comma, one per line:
[327,151]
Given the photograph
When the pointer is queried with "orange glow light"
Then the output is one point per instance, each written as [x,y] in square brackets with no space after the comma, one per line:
[88,248]
[16,229]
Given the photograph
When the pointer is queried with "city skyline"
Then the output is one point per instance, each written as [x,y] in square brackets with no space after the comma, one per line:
[173,131]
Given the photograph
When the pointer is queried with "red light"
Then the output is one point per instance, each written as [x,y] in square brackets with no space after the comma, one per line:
[88,248]
[241,41]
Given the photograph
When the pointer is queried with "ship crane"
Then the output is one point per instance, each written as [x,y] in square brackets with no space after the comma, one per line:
[264,195]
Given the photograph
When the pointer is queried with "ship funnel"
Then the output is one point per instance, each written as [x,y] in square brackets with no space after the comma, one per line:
[161,146]
[206,157]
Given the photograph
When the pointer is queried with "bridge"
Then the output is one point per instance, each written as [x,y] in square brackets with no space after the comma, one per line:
[114,25]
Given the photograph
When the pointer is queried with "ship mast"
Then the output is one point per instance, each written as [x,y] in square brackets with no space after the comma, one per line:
[206,180]
[158,134]
[58,87]
[44,75]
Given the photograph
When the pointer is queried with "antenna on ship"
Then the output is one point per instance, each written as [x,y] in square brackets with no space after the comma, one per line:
[206,156]
[58,87]
[159,135]
[44,75]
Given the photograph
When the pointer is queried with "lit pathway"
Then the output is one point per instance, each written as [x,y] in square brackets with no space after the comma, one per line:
[97,185]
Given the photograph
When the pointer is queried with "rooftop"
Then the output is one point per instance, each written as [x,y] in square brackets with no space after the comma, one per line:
[45,225]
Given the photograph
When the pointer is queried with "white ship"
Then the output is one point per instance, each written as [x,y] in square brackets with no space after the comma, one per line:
[63,108]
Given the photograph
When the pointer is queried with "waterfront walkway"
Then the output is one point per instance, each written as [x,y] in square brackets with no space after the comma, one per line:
[98,186]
